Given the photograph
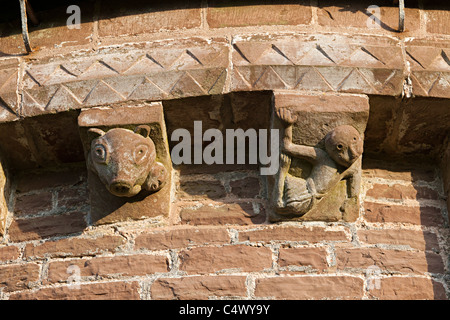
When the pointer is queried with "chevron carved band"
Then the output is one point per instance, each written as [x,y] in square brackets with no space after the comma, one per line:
[196,66]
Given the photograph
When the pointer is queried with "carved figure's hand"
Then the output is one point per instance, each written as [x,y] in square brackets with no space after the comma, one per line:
[285,160]
[285,115]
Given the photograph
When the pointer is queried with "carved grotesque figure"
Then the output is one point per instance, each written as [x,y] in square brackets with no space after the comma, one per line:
[125,161]
[341,159]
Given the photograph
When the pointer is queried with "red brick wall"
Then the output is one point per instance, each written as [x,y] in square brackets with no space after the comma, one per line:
[217,242]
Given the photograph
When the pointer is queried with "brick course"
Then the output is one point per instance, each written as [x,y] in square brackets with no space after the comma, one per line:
[73,247]
[307,288]
[103,267]
[96,291]
[204,252]
[239,257]
[198,287]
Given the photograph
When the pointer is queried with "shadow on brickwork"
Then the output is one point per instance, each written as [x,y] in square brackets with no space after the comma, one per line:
[408,135]
[414,198]
[49,202]
[226,185]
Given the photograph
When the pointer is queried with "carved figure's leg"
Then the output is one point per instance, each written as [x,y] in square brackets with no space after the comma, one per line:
[285,164]
[298,199]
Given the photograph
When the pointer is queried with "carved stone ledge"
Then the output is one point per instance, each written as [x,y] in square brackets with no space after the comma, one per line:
[171,69]
[9,104]
[321,145]
[128,160]
[330,63]
[430,67]
[147,71]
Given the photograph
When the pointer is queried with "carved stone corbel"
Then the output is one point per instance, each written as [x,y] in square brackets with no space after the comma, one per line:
[125,161]
[128,162]
[321,146]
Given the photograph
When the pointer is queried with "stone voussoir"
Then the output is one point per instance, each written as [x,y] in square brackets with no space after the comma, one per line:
[156,71]
[200,66]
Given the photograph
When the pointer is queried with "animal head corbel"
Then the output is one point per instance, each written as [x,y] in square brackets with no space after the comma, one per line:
[125,160]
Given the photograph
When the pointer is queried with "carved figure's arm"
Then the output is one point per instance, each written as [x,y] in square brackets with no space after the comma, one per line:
[310,154]
[297,151]
[287,120]
[353,174]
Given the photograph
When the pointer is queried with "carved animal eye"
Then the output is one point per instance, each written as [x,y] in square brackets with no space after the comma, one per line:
[100,153]
[140,153]
[339,146]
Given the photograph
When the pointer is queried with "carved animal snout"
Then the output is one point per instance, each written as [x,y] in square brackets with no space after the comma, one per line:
[125,160]
[120,188]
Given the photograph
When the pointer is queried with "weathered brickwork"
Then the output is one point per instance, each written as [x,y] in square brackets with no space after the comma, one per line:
[218,243]
[221,47]
[219,62]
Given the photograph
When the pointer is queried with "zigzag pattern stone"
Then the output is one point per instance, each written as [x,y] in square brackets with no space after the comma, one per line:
[326,63]
[196,66]
[430,68]
[154,73]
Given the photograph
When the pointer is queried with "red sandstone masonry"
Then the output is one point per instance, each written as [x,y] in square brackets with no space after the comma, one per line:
[408,288]
[181,238]
[421,240]
[50,34]
[340,14]
[309,287]
[401,192]
[18,276]
[280,233]
[348,260]
[311,258]
[46,226]
[427,216]
[201,189]
[396,261]
[95,291]
[218,259]
[223,214]
[146,18]
[72,197]
[33,203]
[437,21]
[9,70]
[246,188]
[219,15]
[73,247]
[9,253]
[50,179]
[133,265]
[117,24]
[377,169]
[198,287]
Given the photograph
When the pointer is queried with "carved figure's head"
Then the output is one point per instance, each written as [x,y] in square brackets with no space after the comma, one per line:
[344,145]
[125,161]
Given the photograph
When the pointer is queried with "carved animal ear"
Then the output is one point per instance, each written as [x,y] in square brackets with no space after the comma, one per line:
[143,130]
[96,132]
